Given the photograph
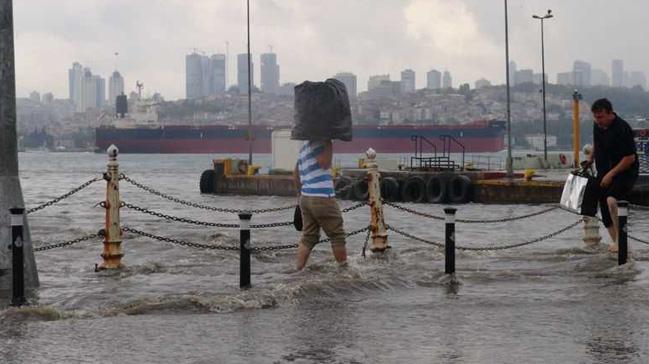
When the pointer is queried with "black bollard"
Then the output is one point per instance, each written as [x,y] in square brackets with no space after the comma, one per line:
[244,249]
[622,241]
[18,290]
[449,251]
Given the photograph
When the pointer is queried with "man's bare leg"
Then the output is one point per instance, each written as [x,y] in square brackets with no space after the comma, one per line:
[613,229]
[302,256]
[340,253]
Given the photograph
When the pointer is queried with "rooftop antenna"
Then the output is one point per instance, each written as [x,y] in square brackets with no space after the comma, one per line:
[227,62]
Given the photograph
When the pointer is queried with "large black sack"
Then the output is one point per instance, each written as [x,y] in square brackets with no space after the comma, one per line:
[322,111]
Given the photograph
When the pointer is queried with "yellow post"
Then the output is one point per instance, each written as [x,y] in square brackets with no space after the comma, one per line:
[112,253]
[576,136]
[377,223]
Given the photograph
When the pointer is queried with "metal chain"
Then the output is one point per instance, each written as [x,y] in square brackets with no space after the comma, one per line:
[41,248]
[501,247]
[367,239]
[274,245]
[203,223]
[638,240]
[178,241]
[62,197]
[470,221]
[197,205]
[353,207]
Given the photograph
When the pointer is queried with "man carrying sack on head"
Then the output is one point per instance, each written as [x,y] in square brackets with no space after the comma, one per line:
[616,162]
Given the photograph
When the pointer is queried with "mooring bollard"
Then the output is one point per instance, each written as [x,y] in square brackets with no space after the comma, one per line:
[17,261]
[622,243]
[449,246]
[377,221]
[112,252]
[244,249]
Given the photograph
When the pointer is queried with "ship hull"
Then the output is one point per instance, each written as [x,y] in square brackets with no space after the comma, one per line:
[475,138]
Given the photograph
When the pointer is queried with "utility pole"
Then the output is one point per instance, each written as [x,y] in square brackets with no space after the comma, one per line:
[10,191]
[250,135]
[509,162]
[545,128]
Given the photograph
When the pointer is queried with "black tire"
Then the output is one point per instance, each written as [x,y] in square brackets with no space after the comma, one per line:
[437,190]
[390,189]
[208,181]
[361,191]
[414,189]
[459,189]
[342,187]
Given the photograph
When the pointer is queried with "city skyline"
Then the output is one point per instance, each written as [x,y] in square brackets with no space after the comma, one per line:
[411,34]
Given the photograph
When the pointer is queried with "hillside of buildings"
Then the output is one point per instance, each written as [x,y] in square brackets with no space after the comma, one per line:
[72,130]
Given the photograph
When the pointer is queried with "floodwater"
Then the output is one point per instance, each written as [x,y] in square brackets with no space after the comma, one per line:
[549,302]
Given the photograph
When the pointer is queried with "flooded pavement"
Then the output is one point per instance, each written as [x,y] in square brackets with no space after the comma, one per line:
[551,301]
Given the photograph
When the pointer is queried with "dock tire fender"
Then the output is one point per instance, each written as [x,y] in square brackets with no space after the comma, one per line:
[342,187]
[208,181]
[390,190]
[563,159]
[361,190]
[437,189]
[459,189]
[414,189]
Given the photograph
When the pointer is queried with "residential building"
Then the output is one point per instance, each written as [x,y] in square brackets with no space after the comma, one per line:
[349,79]
[375,80]
[434,79]
[408,81]
[115,87]
[269,73]
[242,72]
[447,80]
[581,73]
[617,73]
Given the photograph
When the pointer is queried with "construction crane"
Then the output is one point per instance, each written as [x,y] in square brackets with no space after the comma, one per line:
[139,86]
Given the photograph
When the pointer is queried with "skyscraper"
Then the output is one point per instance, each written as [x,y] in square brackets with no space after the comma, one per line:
[100,85]
[214,75]
[433,79]
[193,75]
[407,81]
[349,79]
[269,73]
[447,80]
[581,73]
[75,75]
[242,72]
[115,87]
[617,73]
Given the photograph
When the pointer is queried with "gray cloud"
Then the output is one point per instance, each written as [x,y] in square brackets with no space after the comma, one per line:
[316,39]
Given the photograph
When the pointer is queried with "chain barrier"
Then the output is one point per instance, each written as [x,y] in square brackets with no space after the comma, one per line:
[179,241]
[197,205]
[367,239]
[203,223]
[488,248]
[638,239]
[470,221]
[41,248]
[63,197]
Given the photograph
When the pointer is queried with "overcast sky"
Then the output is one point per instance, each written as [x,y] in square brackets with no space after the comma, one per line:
[314,39]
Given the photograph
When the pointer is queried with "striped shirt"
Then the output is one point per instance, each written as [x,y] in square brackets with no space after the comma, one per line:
[315,180]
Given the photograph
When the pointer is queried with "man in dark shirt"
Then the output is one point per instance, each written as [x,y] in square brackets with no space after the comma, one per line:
[616,161]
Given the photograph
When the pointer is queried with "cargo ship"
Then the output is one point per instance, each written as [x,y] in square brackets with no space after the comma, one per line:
[478,136]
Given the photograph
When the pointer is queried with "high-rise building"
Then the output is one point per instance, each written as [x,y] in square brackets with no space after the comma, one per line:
[617,73]
[599,77]
[204,76]
[374,81]
[75,75]
[447,80]
[407,81]
[482,83]
[48,98]
[100,93]
[349,79]
[194,75]
[524,76]
[242,72]
[35,96]
[637,78]
[115,87]
[581,73]
[269,73]
[214,75]
[433,79]
[564,78]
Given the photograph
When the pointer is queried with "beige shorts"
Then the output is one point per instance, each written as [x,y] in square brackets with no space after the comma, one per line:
[321,212]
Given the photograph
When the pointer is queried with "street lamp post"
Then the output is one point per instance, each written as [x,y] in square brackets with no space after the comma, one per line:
[545,128]
[509,162]
[250,136]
